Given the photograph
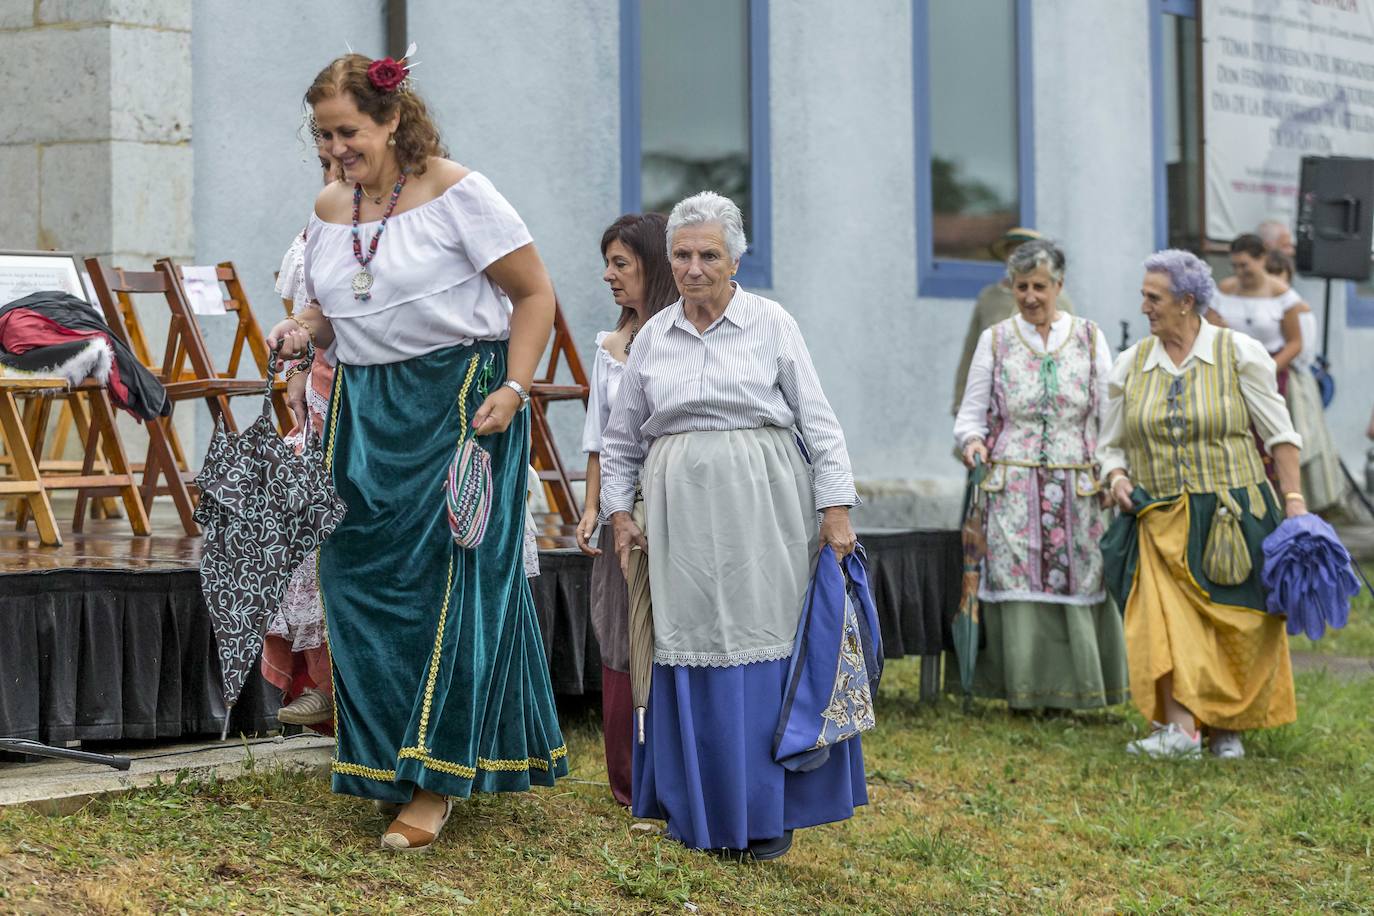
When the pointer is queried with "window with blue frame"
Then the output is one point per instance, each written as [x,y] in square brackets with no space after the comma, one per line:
[694,111]
[1177,115]
[974,150]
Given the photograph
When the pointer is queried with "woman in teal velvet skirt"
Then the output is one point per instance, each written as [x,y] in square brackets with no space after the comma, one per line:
[440,680]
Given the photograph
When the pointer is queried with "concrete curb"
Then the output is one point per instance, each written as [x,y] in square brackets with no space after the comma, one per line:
[61,787]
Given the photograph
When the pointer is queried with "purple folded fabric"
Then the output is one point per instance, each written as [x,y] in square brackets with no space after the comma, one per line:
[1307,575]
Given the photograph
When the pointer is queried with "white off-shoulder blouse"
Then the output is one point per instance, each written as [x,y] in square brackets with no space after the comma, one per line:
[603,388]
[429,290]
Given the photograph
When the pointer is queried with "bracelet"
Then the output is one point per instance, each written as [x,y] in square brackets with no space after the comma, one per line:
[520,392]
[1290,497]
[303,326]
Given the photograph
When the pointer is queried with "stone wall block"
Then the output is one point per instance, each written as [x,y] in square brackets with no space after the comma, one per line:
[163,14]
[151,195]
[16,14]
[19,197]
[61,12]
[75,185]
[64,76]
[150,85]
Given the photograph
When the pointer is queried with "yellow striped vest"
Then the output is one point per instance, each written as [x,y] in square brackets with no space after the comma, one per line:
[1191,432]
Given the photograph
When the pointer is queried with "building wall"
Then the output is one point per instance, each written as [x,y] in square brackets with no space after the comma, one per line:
[95,144]
[533,102]
[528,93]
[256,172]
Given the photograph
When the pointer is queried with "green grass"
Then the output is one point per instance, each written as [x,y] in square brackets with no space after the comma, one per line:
[1356,638]
[975,812]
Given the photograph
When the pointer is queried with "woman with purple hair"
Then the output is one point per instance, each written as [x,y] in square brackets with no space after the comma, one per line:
[1184,557]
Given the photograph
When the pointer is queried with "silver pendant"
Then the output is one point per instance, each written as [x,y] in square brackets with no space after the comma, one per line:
[362,283]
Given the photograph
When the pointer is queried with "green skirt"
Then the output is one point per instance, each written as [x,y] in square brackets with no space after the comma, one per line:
[1121,545]
[440,679]
[1056,656]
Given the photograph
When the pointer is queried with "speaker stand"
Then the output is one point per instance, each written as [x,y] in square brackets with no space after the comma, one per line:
[1326,322]
[35,749]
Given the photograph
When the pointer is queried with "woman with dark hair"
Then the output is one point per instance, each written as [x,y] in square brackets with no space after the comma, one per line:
[635,252]
[435,308]
[1261,305]
[1323,483]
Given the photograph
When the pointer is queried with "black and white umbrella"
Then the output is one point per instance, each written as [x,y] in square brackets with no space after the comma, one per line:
[263,508]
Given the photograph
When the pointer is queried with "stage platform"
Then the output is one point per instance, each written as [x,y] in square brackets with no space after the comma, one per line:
[107,638]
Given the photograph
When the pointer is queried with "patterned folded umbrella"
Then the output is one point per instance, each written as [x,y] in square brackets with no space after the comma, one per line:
[1307,576]
[263,508]
[964,627]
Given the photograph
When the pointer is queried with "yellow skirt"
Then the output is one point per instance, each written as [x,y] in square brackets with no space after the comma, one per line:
[1230,665]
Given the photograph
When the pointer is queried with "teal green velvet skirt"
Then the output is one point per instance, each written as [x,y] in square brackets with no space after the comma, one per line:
[440,678]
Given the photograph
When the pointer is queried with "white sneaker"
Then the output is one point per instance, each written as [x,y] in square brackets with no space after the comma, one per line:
[1226,744]
[1167,741]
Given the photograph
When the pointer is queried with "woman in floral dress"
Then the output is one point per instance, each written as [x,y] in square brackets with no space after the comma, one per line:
[1031,412]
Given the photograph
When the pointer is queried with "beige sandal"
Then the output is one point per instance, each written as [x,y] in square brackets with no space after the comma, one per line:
[402,837]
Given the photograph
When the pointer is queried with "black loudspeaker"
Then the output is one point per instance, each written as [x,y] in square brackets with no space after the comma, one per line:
[1335,230]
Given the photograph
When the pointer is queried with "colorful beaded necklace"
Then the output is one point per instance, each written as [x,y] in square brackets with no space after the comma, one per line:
[362,280]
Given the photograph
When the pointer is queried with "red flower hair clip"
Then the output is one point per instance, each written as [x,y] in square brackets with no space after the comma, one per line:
[387,75]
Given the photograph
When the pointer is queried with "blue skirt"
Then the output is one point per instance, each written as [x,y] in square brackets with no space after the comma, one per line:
[707,768]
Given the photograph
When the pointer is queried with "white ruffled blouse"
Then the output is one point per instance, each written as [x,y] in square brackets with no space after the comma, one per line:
[429,290]
[603,387]
[291,277]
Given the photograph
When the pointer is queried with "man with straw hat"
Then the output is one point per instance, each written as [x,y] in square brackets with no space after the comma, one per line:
[995,303]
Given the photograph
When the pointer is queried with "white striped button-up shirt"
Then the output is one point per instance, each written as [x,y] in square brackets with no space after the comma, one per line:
[748,370]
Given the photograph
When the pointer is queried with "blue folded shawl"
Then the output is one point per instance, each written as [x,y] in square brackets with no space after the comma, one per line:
[836,663]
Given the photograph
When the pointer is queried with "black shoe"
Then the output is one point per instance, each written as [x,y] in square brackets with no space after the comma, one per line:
[764,850]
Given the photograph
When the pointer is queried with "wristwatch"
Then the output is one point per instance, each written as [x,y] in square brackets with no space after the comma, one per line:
[519,389]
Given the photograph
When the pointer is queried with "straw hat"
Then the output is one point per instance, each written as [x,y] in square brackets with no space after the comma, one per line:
[1010,240]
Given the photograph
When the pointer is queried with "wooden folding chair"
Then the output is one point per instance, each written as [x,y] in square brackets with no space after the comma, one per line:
[25,481]
[247,336]
[74,417]
[186,372]
[104,469]
[556,477]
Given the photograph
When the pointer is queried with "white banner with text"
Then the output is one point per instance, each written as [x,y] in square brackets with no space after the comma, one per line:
[1282,79]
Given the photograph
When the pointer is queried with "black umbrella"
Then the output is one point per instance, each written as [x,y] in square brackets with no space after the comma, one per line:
[263,508]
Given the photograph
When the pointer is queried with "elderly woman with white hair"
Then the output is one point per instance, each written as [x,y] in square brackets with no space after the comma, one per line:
[714,396]
[1031,411]
[1184,558]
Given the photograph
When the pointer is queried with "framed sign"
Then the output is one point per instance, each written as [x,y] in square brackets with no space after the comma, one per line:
[24,272]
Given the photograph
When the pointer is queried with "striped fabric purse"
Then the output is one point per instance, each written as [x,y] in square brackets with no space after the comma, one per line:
[467,486]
